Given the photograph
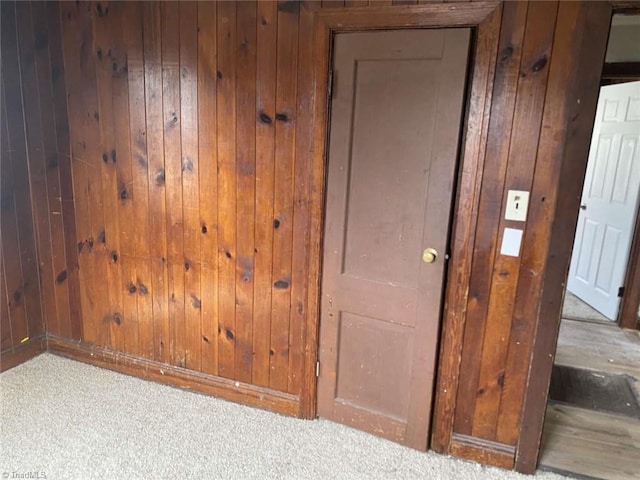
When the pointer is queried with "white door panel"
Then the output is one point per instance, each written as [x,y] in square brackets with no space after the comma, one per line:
[609,200]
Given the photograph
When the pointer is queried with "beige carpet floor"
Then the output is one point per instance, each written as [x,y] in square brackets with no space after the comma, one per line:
[68,420]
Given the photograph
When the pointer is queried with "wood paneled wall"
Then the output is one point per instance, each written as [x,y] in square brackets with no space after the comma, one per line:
[183,123]
[549,60]
[173,203]
[35,267]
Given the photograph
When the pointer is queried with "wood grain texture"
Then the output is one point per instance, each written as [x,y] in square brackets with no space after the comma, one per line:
[190,183]
[489,211]
[172,184]
[105,49]
[481,450]
[313,181]
[122,255]
[284,124]
[178,377]
[208,184]
[51,174]
[265,168]
[156,244]
[18,235]
[464,227]
[87,160]
[530,103]
[35,155]
[213,199]
[590,444]
[226,109]
[21,353]
[246,51]
[580,48]
[190,206]
[140,285]
[496,369]
[301,201]
[61,122]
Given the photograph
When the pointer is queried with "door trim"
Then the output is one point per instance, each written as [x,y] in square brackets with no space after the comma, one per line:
[484,18]
[574,147]
[630,303]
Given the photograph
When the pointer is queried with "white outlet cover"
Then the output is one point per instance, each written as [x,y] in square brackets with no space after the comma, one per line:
[517,205]
[511,241]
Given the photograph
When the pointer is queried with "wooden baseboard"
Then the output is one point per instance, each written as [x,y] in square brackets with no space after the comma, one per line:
[14,356]
[272,400]
[483,451]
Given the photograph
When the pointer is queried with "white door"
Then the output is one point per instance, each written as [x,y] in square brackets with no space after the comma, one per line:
[609,200]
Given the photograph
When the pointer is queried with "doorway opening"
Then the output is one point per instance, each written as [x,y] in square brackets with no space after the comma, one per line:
[592,421]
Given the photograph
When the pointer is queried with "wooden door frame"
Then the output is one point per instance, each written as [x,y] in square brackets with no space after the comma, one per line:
[484,18]
[573,166]
[628,312]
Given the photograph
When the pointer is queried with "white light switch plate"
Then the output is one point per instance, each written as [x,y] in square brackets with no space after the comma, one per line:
[511,241]
[517,205]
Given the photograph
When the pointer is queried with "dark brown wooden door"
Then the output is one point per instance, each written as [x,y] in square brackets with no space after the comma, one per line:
[395,124]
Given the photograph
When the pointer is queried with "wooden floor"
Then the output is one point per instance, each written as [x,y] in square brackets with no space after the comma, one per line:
[586,443]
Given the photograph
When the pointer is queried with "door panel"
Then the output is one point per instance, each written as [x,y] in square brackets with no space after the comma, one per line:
[395,122]
[609,201]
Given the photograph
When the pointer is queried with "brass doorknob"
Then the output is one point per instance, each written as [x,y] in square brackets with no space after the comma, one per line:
[429,255]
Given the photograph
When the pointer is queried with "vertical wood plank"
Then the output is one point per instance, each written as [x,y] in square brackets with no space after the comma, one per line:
[97,181]
[264,221]
[532,84]
[208,183]
[190,182]
[173,178]
[156,242]
[61,325]
[74,327]
[504,90]
[464,229]
[105,25]
[6,335]
[36,164]
[141,284]
[15,323]
[24,294]
[87,153]
[245,185]
[301,202]
[123,256]
[285,124]
[226,109]
[76,31]
[6,206]
[570,106]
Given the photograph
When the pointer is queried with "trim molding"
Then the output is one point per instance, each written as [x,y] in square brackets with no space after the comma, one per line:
[481,450]
[14,356]
[265,398]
